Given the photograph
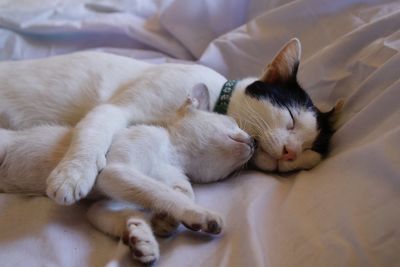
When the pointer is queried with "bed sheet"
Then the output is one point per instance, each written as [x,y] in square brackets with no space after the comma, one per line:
[344,212]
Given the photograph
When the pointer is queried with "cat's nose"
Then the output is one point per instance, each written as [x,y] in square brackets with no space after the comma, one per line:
[288,154]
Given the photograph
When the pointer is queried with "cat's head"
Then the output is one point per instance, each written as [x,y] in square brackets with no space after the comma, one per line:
[281,116]
[213,145]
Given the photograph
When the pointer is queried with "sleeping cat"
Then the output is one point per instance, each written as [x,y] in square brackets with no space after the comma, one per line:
[148,165]
[101,93]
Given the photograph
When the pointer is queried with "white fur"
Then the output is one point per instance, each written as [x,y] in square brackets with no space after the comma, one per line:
[147,165]
[101,94]
[268,124]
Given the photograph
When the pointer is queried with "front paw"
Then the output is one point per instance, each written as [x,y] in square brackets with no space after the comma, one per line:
[202,220]
[71,181]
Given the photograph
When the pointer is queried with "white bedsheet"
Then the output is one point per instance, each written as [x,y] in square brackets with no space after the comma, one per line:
[344,212]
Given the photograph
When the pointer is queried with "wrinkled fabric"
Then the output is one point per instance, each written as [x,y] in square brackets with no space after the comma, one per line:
[344,212]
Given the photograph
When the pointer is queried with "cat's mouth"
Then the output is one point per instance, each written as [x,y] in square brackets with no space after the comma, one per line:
[247,142]
[258,147]
[264,160]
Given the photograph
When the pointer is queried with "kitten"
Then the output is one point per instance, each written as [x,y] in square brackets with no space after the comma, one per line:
[101,93]
[148,165]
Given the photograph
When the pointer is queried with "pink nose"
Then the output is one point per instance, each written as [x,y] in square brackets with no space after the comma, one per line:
[288,154]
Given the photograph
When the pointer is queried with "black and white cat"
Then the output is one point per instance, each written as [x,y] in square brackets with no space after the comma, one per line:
[101,94]
[151,166]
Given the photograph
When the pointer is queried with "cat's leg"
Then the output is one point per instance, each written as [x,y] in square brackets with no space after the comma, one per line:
[307,160]
[75,175]
[126,222]
[176,179]
[162,223]
[124,183]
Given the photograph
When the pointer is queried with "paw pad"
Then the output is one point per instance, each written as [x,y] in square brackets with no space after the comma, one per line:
[203,220]
[137,253]
[213,227]
[194,227]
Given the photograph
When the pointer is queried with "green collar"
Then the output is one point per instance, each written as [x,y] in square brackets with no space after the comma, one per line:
[225,96]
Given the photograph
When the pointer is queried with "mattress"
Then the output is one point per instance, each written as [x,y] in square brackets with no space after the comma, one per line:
[344,212]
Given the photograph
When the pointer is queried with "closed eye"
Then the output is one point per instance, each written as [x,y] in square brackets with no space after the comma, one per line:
[290,127]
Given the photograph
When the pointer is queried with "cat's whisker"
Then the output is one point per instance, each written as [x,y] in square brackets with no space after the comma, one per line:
[244,123]
[260,133]
[258,117]
[256,122]
[250,121]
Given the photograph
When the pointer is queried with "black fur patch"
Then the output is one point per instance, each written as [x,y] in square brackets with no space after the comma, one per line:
[290,94]
[286,94]
[325,126]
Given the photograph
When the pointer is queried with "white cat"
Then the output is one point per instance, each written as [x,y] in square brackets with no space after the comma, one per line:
[101,93]
[148,165]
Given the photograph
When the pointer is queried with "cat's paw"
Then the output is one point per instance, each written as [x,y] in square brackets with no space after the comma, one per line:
[202,220]
[163,224]
[140,239]
[71,181]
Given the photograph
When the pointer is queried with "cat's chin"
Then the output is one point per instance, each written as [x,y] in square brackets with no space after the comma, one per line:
[264,161]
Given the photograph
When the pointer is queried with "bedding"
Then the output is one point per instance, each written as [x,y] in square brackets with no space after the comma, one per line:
[344,212]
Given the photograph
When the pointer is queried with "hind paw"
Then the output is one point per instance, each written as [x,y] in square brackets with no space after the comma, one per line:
[140,239]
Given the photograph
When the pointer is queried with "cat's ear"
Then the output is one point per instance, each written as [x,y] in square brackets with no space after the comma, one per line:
[199,98]
[201,95]
[334,113]
[285,64]
[190,103]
